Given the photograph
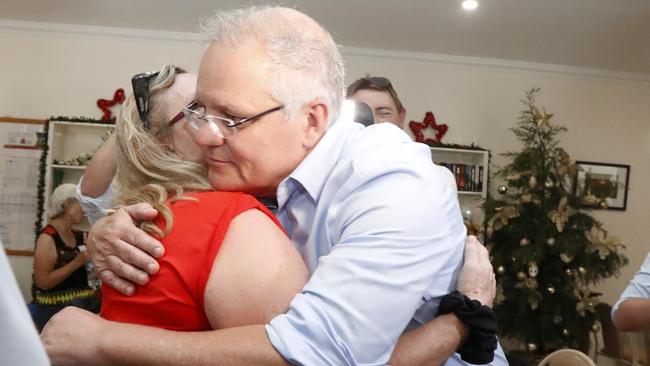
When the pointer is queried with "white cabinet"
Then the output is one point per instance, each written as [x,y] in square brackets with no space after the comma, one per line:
[470,169]
[67,141]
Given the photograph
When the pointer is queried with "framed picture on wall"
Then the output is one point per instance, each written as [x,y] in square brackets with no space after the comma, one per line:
[607,182]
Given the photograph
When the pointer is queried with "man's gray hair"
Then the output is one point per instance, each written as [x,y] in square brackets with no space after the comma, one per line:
[305,63]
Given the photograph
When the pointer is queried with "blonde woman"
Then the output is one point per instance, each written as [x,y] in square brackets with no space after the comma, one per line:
[227,261]
[60,278]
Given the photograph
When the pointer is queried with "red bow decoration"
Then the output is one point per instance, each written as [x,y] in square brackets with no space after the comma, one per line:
[105,104]
[429,120]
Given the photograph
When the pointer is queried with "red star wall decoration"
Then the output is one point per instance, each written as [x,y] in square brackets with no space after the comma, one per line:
[105,104]
[429,120]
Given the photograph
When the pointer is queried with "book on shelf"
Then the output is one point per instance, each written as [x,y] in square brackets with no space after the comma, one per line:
[469,178]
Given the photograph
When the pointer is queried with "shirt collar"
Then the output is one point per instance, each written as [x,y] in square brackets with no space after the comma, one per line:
[313,171]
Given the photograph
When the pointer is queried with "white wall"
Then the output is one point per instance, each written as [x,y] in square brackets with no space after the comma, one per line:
[61,72]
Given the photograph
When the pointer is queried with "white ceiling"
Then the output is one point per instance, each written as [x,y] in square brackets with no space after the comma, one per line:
[604,34]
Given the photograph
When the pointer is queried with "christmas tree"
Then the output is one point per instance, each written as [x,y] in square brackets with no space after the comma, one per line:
[547,251]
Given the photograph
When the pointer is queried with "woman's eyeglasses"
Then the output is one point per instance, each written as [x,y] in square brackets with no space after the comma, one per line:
[192,106]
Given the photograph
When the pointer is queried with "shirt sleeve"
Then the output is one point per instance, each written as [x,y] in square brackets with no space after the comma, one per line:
[397,235]
[95,208]
[639,287]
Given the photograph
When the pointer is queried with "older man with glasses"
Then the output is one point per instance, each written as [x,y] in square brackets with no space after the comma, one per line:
[377,223]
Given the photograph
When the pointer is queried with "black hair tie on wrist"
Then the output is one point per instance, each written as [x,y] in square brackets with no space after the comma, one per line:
[482,322]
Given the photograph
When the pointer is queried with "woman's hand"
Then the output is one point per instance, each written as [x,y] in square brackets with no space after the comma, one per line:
[476,279]
[81,259]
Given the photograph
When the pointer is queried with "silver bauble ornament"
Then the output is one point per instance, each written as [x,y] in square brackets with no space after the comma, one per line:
[502,189]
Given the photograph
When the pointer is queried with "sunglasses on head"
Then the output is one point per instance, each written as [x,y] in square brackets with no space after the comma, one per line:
[140,84]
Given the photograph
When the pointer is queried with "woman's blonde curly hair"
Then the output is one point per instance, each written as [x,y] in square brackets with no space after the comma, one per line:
[148,169]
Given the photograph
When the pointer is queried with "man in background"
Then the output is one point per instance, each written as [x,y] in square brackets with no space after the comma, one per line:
[378,93]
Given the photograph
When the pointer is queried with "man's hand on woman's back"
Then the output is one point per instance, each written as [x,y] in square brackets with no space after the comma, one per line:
[122,254]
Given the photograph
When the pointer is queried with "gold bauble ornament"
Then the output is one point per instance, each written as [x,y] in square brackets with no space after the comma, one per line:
[524,241]
[590,199]
[566,258]
[548,183]
[501,270]
[551,290]
[569,272]
[531,347]
[550,241]
[604,205]
[521,276]
[566,332]
[502,189]
[582,271]
[532,182]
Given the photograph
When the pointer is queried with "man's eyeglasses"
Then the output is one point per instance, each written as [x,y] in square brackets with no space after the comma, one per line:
[220,126]
[140,84]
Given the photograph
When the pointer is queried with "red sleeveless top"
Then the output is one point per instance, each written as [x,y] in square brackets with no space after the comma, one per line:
[173,298]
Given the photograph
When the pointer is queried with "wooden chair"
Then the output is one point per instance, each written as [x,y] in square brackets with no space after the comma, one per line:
[567,357]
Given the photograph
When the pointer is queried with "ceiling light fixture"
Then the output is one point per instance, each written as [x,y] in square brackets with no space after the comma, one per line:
[470,4]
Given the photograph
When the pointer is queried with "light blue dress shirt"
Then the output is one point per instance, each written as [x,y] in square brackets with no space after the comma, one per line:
[379,226]
[639,287]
